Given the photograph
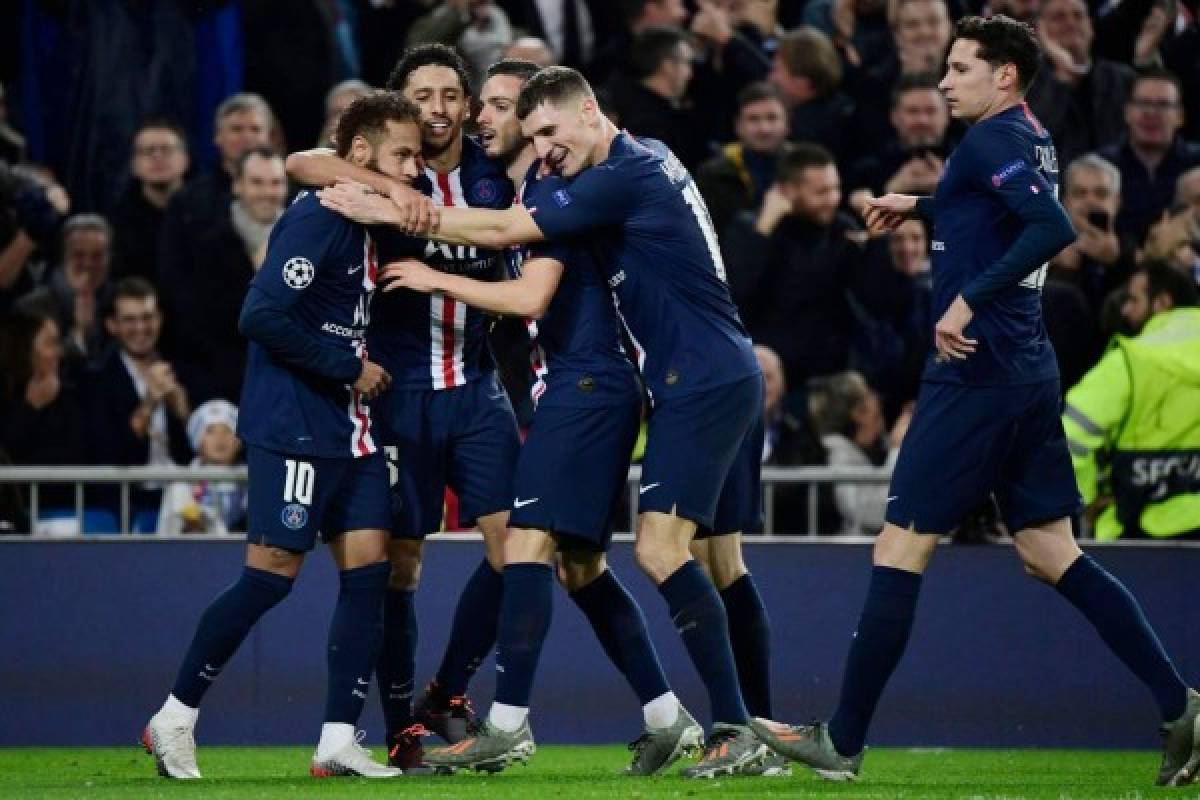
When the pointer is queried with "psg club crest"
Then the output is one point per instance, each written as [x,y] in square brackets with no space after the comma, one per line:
[294,516]
[485,191]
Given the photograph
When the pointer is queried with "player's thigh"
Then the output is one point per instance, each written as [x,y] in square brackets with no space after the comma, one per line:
[414,428]
[951,456]
[1047,549]
[529,546]
[578,568]
[494,528]
[275,560]
[359,548]
[725,562]
[661,543]
[406,556]
[903,549]
[572,471]
[483,449]
[692,443]
[289,497]
[1037,480]
[739,506]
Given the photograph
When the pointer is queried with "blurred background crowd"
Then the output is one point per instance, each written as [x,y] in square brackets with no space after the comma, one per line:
[142,147]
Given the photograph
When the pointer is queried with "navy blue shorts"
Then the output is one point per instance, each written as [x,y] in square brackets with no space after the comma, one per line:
[572,472]
[291,498]
[968,442]
[465,437]
[703,456]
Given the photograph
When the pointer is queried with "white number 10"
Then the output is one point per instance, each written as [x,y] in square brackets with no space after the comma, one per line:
[298,484]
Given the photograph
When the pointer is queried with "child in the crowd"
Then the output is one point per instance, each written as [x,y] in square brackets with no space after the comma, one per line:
[207,507]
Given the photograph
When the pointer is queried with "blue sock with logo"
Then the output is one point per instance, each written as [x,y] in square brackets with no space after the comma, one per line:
[525,611]
[750,636]
[699,616]
[395,669]
[223,627]
[879,642]
[354,637]
[473,632]
[621,629]
[1119,620]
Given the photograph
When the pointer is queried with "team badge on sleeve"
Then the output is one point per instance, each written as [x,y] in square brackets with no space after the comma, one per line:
[1006,172]
[298,272]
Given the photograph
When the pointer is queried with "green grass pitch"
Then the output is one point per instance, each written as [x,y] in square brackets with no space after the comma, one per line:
[583,772]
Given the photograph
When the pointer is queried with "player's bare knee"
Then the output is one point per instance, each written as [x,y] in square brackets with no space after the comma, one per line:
[903,549]
[578,569]
[659,559]
[529,546]
[405,556]
[274,559]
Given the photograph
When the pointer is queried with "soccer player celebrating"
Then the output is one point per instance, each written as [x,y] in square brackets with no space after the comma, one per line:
[571,470]
[987,417]
[313,463]
[446,418]
[637,204]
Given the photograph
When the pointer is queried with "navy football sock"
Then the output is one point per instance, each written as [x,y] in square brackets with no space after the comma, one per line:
[621,629]
[1119,620]
[750,636]
[473,632]
[223,627]
[699,617]
[395,670]
[354,636]
[525,611]
[879,642]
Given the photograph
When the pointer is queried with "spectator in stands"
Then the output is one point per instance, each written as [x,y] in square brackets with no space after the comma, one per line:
[737,179]
[79,288]
[337,100]
[1077,97]
[31,209]
[849,418]
[137,406]
[1020,10]
[204,506]
[910,161]
[479,29]
[40,407]
[1175,239]
[651,98]
[570,30]
[638,16]
[794,264]
[1152,155]
[808,74]
[532,49]
[204,297]
[157,164]
[789,441]
[12,143]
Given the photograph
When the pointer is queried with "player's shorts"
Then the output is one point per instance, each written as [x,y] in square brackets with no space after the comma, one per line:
[966,442]
[465,437]
[293,497]
[572,471]
[703,456]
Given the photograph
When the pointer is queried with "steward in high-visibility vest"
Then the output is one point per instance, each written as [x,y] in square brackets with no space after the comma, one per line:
[1138,413]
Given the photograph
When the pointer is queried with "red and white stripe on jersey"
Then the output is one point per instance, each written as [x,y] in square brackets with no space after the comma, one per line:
[639,352]
[537,362]
[361,443]
[447,316]
[1031,119]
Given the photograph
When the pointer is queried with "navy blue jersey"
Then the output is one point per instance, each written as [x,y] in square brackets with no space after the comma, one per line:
[576,355]
[1003,163]
[659,255]
[320,271]
[432,341]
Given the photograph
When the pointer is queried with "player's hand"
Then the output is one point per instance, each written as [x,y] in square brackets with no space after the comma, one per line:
[373,380]
[415,212]
[410,274]
[359,202]
[1098,244]
[775,206]
[948,334]
[885,214]
[712,23]
[1058,56]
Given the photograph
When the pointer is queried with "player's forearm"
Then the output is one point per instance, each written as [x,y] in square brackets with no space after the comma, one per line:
[512,298]
[1046,231]
[485,227]
[322,167]
[277,333]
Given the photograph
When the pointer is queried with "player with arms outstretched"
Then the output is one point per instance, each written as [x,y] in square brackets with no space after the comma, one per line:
[313,463]
[987,416]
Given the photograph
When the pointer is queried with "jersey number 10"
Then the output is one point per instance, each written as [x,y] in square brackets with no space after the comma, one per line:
[299,481]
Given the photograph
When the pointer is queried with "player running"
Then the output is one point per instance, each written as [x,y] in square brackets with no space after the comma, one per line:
[637,204]
[571,471]
[447,420]
[313,463]
[987,417]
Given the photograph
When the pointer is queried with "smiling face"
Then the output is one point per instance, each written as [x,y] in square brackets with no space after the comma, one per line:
[444,104]
[564,137]
[921,29]
[1154,114]
[136,323]
[262,187]
[499,129]
[219,445]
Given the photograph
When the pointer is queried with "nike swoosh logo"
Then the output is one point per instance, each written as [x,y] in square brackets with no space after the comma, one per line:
[648,487]
[352,270]
[893,497]
[519,503]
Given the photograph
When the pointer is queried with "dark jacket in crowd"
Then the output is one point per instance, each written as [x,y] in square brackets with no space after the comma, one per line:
[54,435]
[1084,117]
[728,183]
[648,114]
[1145,195]
[136,226]
[829,121]
[791,442]
[111,400]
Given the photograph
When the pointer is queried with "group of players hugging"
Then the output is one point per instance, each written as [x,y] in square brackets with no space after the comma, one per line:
[370,389]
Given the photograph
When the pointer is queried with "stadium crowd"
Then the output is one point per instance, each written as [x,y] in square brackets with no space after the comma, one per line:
[141,175]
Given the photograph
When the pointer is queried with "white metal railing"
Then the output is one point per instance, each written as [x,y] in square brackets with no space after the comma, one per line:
[127,477]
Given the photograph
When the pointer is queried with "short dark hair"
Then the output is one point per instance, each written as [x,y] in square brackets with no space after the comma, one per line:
[262,151]
[807,52]
[1162,278]
[652,46]
[1004,40]
[755,93]
[368,116]
[429,55]
[914,82]
[162,124]
[1157,74]
[512,67]
[799,156]
[133,287]
[554,85]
